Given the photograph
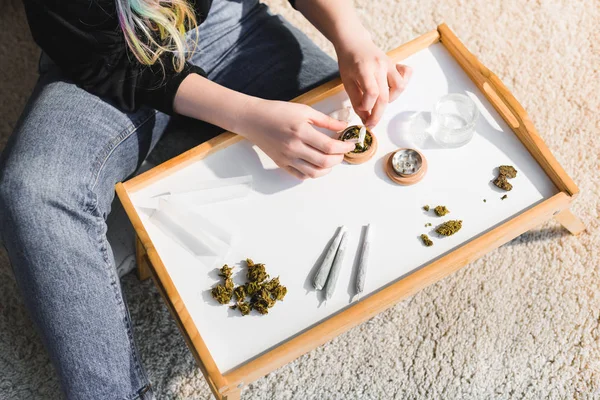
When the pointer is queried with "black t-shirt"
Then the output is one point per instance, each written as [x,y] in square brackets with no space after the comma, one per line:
[84,39]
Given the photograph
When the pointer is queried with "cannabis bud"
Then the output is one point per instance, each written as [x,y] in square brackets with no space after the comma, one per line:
[256,272]
[263,294]
[353,132]
[221,294]
[426,241]
[225,271]
[449,228]
[426,208]
[505,172]
[441,211]
[508,171]
[502,183]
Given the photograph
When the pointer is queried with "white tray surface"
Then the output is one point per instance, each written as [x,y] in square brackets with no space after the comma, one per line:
[287,224]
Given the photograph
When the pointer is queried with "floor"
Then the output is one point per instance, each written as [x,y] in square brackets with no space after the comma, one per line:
[522,322]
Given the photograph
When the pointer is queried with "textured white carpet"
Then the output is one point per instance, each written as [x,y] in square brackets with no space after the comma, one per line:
[522,322]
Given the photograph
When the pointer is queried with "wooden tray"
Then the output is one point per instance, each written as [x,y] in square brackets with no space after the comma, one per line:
[287,225]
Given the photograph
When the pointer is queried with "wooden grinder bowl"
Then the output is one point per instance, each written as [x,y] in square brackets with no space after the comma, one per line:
[403,179]
[359,158]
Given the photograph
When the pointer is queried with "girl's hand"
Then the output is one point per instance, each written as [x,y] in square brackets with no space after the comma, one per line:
[370,77]
[285,131]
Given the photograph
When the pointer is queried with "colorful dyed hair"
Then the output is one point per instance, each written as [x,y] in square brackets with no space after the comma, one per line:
[154,27]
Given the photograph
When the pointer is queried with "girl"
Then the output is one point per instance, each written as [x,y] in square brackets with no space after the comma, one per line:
[113,73]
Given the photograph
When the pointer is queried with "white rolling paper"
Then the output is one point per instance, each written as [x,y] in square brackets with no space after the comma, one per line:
[203,192]
[207,241]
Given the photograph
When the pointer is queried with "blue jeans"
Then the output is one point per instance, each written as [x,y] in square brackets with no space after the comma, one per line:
[57,177]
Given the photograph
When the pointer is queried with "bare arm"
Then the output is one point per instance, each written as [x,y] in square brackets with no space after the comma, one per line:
[285,131]
[370,77]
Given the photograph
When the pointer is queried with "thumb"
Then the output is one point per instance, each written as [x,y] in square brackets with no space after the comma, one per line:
[321,120]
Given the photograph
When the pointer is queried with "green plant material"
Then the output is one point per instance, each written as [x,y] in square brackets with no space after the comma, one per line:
[261,306]
[426,208]
[221,294]
[502,183]
[427,224]
[263,293]
[271,285]
[441,211]
[252,287]
[244,307]
[426,241]
[240,292]
[256,272]
[503,197]
[279,292]
[449,228]
[484,200]
[225,271]
[353,132]
[508,171]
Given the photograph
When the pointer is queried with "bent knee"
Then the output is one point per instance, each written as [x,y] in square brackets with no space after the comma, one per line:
[30,194]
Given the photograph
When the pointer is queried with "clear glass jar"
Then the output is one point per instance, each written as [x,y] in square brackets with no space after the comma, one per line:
[453,119]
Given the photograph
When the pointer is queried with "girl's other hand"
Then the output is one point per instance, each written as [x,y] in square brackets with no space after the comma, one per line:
[370,77]
[285,132]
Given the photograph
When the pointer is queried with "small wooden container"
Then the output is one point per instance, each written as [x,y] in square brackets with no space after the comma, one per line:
[359,158]
[405,178]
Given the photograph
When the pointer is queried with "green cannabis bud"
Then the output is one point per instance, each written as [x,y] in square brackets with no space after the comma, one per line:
[279,292]
[225,271]
[240,292]
[426,241]
[508,171]
[502,183]
[484,200]
[505,172]
[272,284]
[244,307]
[353,133]
[449,228]
[251,288]
[256,272]
[503,197]
[441,211]
[426,208]
[221,294]
[263,293]
[261,306]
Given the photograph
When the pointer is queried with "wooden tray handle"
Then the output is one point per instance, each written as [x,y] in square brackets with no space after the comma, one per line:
[509,108]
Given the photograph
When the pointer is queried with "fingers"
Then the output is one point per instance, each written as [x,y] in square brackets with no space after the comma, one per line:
[325,121]
[319,159]
[308,169]
[405,71]
[382,100]
[370,88]
[294,172]
[325,144]
[398,78]
[355,95]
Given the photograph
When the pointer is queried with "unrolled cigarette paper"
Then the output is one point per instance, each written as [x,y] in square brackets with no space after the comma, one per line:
[363,262]
[203,192]
[323,272]
[336,267]
[191,230]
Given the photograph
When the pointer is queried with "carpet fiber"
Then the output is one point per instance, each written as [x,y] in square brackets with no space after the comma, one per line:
[522,322]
